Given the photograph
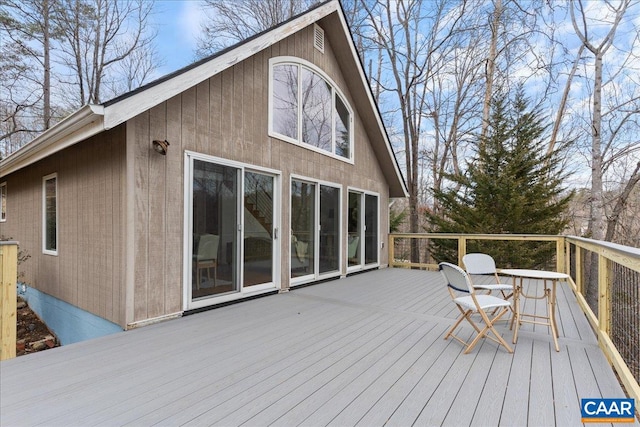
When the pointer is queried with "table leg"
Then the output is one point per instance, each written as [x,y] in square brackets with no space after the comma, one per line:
[552,314]
[516,301]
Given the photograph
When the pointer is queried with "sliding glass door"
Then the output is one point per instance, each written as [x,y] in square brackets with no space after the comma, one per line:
[354,238]
[329,249]
[315,229]
[233,225]
[215,229]
[303,220]
[370,229]
[363,230]
[259,220]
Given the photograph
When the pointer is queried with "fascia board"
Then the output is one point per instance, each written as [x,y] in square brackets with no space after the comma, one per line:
[130,107]
[84,123]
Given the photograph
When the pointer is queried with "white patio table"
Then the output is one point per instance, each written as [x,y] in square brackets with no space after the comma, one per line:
[549,294]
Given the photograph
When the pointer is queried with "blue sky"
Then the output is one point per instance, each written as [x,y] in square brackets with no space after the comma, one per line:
[177,23]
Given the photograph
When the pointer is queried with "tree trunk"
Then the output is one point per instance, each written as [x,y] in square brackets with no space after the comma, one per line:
[46,47]
[491,67]
[563,102]
[596,219]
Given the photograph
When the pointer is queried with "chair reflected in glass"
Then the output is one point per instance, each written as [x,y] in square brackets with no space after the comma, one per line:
[468,303]
[206,257]
[353,245]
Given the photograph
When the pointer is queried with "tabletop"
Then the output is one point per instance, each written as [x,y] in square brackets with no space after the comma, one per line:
[534,274]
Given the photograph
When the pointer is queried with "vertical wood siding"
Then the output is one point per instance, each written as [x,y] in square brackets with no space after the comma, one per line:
[226,116]
[88,270]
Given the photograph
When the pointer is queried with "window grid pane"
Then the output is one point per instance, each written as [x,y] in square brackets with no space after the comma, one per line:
[343,136]
[285,100]
[3,202]
[306,108]
[50,215]
[316,110]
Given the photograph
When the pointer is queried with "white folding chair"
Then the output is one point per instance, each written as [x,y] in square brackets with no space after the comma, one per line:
[484,265]
[458,283]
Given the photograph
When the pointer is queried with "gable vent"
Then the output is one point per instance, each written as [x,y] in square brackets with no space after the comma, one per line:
[318,38]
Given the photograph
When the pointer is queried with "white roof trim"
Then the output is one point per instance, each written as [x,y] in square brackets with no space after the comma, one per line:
[93,119]
[84,123]
[131,106]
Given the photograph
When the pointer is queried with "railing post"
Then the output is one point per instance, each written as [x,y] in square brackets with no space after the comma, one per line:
[462,249]
[8,316]
[560,259]
[391,251]
[604,294]
[578,280]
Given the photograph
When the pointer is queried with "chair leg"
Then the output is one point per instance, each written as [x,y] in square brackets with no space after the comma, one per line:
[489,327]
[480,333]
[497,335]
[453,328]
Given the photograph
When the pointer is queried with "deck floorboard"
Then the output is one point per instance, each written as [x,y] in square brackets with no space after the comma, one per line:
[364,350]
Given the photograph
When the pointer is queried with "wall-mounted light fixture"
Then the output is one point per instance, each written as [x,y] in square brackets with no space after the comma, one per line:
[161,146]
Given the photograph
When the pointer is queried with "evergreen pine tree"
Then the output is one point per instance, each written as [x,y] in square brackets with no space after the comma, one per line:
[511,186]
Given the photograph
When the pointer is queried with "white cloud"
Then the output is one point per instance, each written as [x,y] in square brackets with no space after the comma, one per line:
[178,25]
[188,22]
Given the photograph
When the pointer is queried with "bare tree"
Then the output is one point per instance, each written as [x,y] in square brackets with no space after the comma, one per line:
[410,35]
[228,22]
[98,35]
[614,218]
[25,43]
[613,114]
[19,105]
[598,48]
[134,70]
[490,66]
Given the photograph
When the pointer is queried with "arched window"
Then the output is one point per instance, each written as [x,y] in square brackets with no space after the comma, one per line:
[305,107]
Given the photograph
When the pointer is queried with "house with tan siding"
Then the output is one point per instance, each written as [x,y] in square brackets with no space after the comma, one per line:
[254,171]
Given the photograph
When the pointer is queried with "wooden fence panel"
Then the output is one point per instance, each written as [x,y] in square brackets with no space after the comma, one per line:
[8,316]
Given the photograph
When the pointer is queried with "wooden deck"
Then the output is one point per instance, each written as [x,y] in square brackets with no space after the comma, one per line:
[365,350]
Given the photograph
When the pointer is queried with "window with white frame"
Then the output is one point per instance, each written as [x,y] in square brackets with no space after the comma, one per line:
[50,214]
[3,201]
[306,107]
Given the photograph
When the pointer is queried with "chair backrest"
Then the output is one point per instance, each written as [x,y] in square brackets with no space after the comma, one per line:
[479,264]
[455,277]
[208,246]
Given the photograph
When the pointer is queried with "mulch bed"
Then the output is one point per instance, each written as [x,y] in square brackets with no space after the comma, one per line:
[32,334]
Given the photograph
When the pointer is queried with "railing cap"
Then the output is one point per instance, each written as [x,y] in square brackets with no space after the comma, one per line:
[614,246]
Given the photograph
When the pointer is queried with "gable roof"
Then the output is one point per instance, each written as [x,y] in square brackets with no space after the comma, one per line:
[93,119]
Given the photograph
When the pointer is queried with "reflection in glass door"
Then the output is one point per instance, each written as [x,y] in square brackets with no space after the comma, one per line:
[354,237]
[258,228]
[215,225]
[371,229]
[303,202]
[362,238]
[329,250]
